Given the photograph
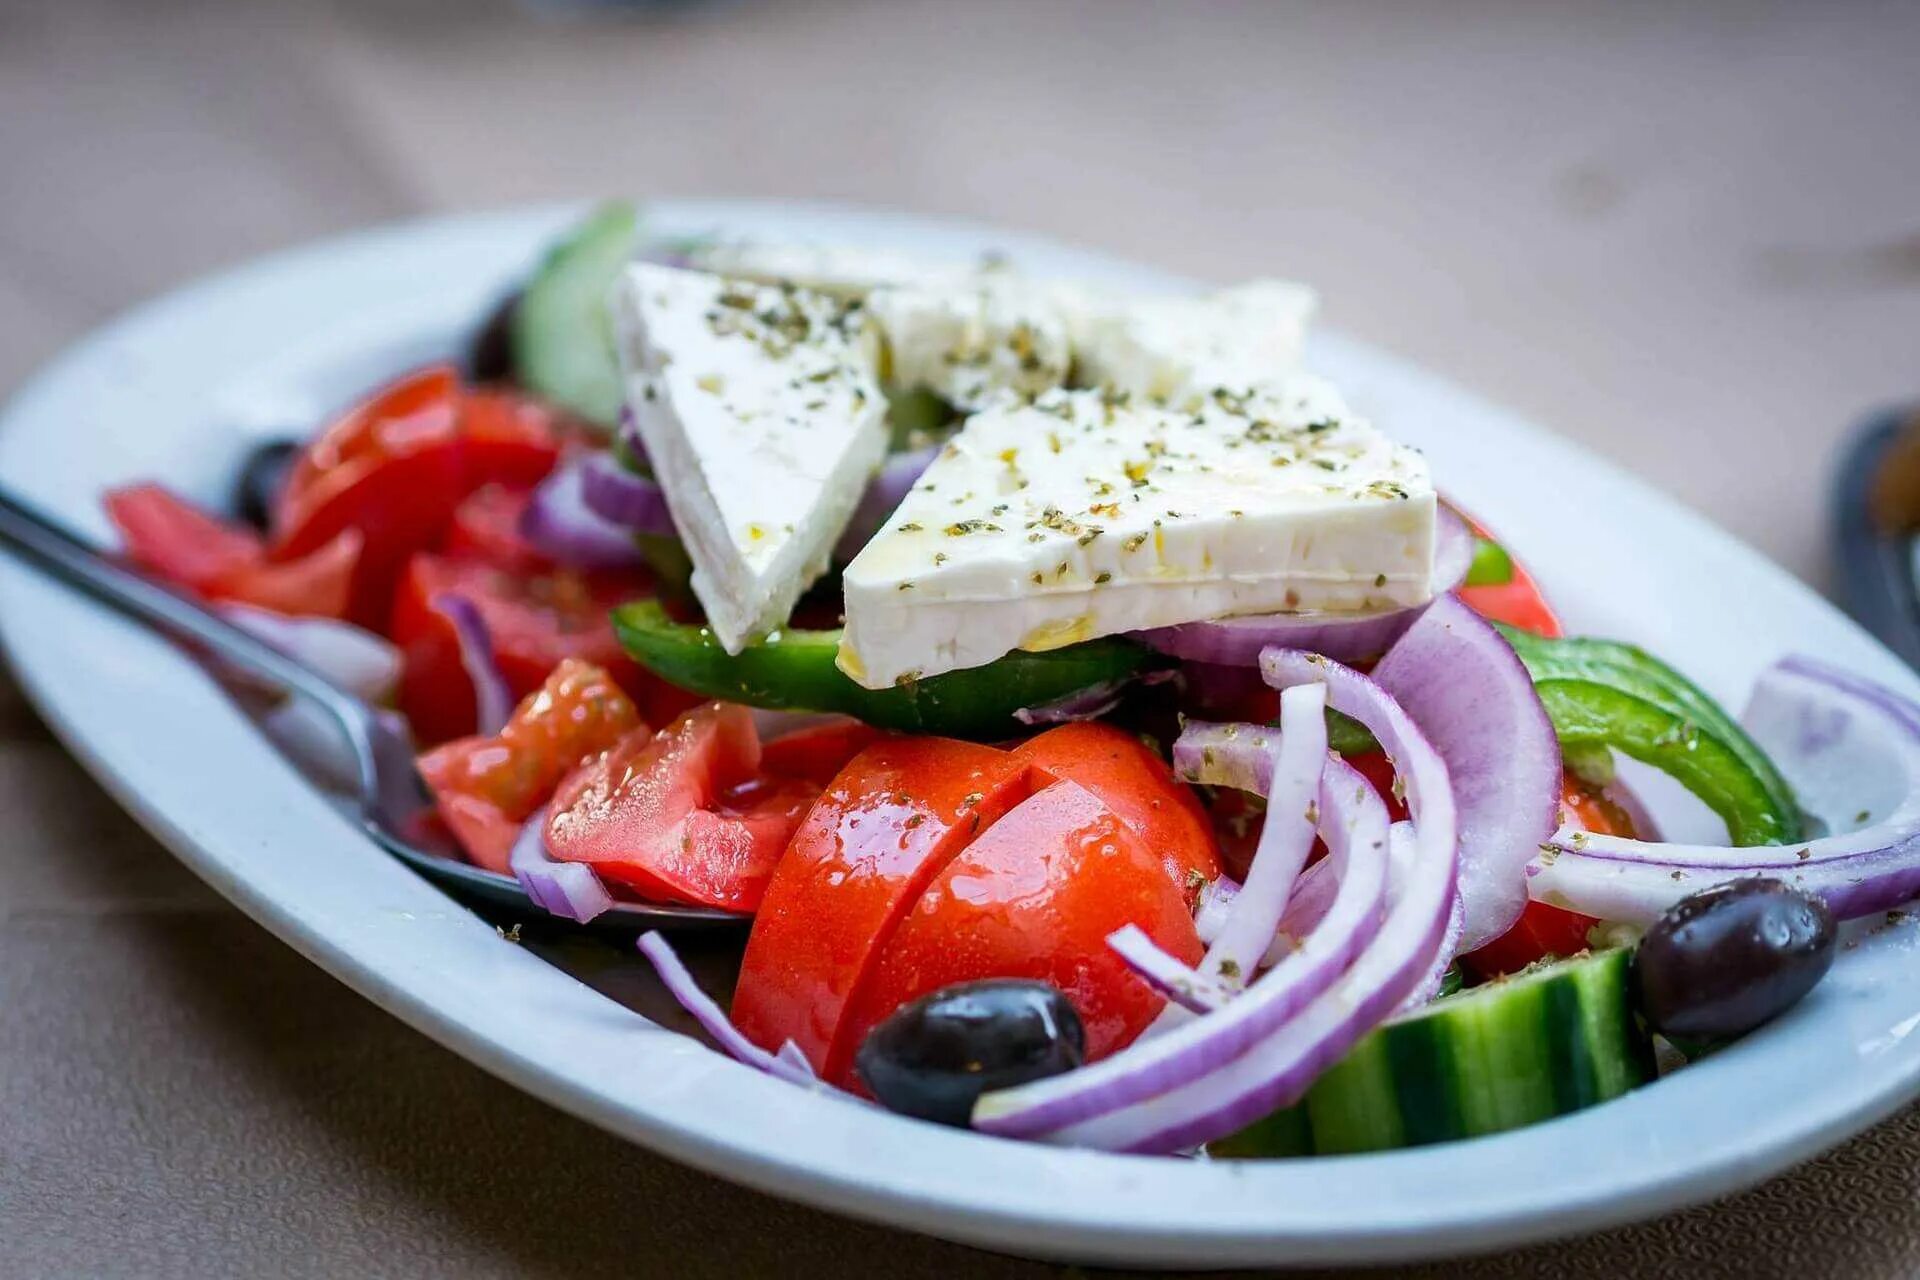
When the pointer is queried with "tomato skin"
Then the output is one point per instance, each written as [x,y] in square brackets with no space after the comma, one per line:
[487,787]
[177,541]
[679,815]
[398,464]
[486,527]
[1518,602]
[1544,930]
[535,621]
[1036,897]
[1138,786]
[818,752]
[879,833]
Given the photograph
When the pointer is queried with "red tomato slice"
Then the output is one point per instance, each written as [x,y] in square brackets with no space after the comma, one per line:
[881,831]
[1035,897]
[1518,602]
[1543,930]
[535,621]
[675,815]
[175,540]
[1136,784]
[487,787]
[820,751]
[486,527]
[397,465]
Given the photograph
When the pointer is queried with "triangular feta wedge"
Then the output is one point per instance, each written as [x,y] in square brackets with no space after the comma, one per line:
[1085,514]
[763,422]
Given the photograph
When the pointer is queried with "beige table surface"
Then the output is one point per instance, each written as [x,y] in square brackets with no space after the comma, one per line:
[1688,237]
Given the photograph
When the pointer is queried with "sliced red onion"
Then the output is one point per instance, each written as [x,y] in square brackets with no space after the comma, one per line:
[622,498]
[492,700]
[1210,912]
[1850,748]
[1286,837]
[1429,986]
[1184,986]
[559,523]
[884,494]
[791,1067]
[1353,823]
[570,890]
[1353,637]
[355,660]
[1466,689]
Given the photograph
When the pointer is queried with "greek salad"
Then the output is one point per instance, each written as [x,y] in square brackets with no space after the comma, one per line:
[1105,735]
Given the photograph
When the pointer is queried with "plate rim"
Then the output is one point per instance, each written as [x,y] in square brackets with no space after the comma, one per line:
[1044,1231]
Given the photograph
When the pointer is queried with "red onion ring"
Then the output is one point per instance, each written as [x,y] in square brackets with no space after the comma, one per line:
[492,700]
[623,498]
[561,525]
[1845,744]
[570,890]
[1354,637]
[1464,686]
[1184,987]
[789,1064]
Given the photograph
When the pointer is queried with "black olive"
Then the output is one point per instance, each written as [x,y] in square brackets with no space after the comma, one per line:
[262,476]
[490,358]
[1724,960]
[932,1058]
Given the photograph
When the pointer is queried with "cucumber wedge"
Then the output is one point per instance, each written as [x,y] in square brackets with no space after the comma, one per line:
[562,335]
[1514,1052]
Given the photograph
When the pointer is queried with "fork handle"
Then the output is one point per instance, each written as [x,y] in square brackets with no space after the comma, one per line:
[49,545]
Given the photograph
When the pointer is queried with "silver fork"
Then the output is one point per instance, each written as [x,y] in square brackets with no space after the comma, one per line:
[389,798]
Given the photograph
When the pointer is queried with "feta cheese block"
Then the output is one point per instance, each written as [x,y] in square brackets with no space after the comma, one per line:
[761,414]
[972,342]
[840,270]
[1088,513]
[1177,349]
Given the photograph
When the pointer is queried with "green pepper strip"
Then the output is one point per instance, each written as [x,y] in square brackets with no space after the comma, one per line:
[794,670]
[1604,693]
[1491,565]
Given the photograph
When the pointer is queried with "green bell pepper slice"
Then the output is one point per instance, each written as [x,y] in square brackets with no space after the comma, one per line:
[1602,693]
[794,670]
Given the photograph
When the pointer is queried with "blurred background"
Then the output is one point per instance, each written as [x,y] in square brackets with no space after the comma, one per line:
[1688,235]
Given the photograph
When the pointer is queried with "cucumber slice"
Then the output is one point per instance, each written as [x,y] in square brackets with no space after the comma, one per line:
[562,335]
[1513,1052]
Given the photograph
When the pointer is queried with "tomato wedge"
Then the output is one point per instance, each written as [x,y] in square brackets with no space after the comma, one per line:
[879,833]
[486,527]
[1518,601]
[396,467]
[681,816]
[1036,896]
[534,620]
[1139,786]
[177,541]
[487,787]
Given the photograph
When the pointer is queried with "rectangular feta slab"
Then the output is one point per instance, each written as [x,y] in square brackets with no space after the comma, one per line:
[973,341]
[760,412]
[1088,513]
[1177,349]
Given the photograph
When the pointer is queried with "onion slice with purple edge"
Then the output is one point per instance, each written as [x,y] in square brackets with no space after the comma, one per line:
[355,660]
[1353,822]
[492,700]
[1851,751]
[569,890]
[560,524]
[898,474]
[1211,911]
[1466,689]
[623,498]
[1238,1083]
[1353,637]
[784,1065]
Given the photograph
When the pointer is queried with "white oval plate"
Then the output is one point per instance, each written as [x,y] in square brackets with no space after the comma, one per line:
[175,388]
